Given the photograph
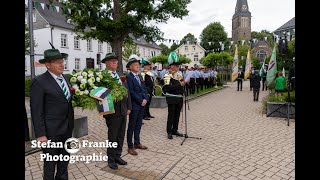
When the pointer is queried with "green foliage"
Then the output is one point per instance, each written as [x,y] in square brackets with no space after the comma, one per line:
[165,49]
[173,47]
[163,59]
[214,32]
[262,34]
[27,86]
[213,59]
[128,49]
[113,20]
[188,38]
[255,62]
[26,39]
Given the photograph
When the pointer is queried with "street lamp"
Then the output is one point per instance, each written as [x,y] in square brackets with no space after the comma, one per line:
[222,79]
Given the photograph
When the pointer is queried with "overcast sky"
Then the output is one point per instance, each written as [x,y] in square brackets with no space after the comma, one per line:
[266,14]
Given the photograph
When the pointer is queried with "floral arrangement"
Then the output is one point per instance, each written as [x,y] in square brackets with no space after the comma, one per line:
[84,81]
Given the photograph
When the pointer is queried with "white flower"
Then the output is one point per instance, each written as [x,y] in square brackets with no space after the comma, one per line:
[76,87]
[81,92]
[86,92]
[98,73]
[90,75]
[84,74]
[100,76]
[82,86]
[95,87]
[83,81]
[90,72]
[90,81]
[98,79]
[80,78]
[92,85]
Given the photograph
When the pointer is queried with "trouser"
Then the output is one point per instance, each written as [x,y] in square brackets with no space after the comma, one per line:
[116,132]
[256,94]
[206,83]
[192,86]
[198,84]
[147,108]
[201,83]
[134,126]
[173,117]
[49,167]
[250,84]
[264,84]
[239,83]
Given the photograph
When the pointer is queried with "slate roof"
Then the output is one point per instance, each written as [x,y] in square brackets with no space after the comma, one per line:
[240,11]
[288,25]
[142,42]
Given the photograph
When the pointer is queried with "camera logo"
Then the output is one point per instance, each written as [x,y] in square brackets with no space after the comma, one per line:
[72,145]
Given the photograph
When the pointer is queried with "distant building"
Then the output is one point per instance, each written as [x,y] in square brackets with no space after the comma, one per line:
[287,27]
[192,51]
[241,22]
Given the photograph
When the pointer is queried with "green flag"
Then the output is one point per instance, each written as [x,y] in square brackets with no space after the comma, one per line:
[272,67]
[262,72]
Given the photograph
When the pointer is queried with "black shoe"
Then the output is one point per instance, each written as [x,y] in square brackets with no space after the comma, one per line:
[150,116]
[121,161]
[146,118]
[113,165]
[241,89]
[177,134]
[170,136]
[238,90]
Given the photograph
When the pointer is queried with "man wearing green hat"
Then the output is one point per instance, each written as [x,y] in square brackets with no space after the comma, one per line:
[173,89]
[139,99]
[117,121]
[148,78]
[52,112]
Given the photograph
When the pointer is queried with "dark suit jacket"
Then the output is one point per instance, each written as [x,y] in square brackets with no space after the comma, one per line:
[121,107]
[149,84]
[51,113]
[138,92]
[174,87]
[240,76]
[256,78]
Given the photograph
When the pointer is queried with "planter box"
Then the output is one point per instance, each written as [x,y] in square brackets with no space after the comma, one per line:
[282,112]
[158,102]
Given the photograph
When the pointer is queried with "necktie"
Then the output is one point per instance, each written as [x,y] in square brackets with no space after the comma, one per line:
[64,88]
[116,76]
[137,78]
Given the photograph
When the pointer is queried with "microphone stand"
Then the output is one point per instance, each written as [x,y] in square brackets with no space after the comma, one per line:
[186,101]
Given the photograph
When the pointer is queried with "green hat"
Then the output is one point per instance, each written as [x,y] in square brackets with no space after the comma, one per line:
[51,54]
[145,62]
[133,58]
[173,59]
[109,56]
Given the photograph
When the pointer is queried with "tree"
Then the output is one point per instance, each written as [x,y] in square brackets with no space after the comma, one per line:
[112,20]
[214,32]
[255,63]
[26,39]
[173,47]
[163,59]
[165,49]
[261,35]
[217,58]
[128,49]
[188,38]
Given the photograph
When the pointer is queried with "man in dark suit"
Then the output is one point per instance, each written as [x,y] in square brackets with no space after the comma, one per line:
[264,77]
[139,99]
[148,78]
[256,78]
[173,89]
[116,122]
[240,79]
[52,112]
[251,77]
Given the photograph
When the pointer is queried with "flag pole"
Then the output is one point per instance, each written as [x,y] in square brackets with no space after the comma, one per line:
[30,22]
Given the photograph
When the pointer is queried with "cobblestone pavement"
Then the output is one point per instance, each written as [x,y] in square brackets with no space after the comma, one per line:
[238,142]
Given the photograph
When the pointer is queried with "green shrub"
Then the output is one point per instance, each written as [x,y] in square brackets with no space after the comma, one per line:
[27,86]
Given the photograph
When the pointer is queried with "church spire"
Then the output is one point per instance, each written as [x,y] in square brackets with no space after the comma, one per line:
[242,8]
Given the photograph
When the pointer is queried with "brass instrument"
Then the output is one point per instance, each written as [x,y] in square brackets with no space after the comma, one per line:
[175,75]
[143,74]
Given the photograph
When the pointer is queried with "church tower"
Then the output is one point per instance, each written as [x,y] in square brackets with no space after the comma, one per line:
[241,22]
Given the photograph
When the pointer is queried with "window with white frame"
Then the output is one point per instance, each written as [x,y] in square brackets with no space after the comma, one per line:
[99,46]
[194,48]
[149,53]
[186,48]
[196,57]
[64,42]
[76,42]
[89,45]
[144,52]
[66,63]
[77,63]
[108,48]
[34,18]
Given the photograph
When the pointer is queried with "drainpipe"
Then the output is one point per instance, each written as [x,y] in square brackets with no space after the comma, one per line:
[52,35]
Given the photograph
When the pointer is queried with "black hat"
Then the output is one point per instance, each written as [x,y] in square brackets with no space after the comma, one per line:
[51,54]
[133,58]
[109,56]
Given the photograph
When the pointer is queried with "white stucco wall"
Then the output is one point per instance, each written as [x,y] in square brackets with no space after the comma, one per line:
[191,52]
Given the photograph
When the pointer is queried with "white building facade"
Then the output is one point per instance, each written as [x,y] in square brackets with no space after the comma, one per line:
[192,51]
